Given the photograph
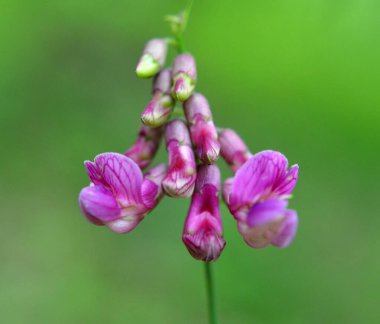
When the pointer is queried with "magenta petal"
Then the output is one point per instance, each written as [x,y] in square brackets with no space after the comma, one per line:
[123,177]
[255,179]
[286,184]
[265,212]
[98,202]
[152,185]
[288,231]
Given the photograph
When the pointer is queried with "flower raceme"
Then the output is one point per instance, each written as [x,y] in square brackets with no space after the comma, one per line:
[119,196]
[203,230]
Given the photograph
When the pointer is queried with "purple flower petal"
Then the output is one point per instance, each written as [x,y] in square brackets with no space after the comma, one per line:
[122,175]
[288,231]
[98,204]
[255,180]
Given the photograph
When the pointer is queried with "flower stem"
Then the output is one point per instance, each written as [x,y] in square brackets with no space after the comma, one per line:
[210,293]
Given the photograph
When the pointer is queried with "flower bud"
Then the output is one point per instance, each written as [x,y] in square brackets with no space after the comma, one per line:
[184,77]
[203,231]
[233,149]
[202,129]
[153,58]
[180,179]
[159,109]
[145,147]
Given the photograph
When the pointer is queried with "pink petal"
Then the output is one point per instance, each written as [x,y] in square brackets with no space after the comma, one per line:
[122,175]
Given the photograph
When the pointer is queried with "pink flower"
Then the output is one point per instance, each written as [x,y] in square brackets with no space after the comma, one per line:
[202,129]
[257,198]
[119,196]
[181,176]
[203,231]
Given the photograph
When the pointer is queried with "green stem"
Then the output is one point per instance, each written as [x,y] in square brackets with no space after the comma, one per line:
[210,293]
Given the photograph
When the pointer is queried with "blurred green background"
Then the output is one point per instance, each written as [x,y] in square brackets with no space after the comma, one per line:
[297,76]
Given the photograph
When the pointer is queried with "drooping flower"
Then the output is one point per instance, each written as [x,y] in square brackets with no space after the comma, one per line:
[119,196]
[203,231]
[184,76]
[181,176]
[257,198]
[153,58]
[145,147]
[160,107]
[202,129]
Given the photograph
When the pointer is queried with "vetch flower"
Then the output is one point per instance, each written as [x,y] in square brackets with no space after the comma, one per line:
[153,58]
[233,149]
[159,109]
[203,231]
[119,196]
[181,176]
[202,129]
[184,77]
[257,198]
[145,147]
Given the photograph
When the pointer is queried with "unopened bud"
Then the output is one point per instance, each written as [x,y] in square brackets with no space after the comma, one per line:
[180,179]
[203,231]
[160,108]
[233,149]
[202,129]
[153,58]
[184,77]
[146,146]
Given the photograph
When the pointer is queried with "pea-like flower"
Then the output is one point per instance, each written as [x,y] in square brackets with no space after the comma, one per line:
[184,76]
[257,198]
[145,147]
[202,129]
[158,111]
[119,196]
[203,231]
[182,173]
[153,58]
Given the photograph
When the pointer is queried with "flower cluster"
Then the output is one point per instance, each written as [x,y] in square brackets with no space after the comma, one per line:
[120,195]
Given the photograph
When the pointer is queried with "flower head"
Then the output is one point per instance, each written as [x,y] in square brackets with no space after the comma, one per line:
[203,231]
[202,129]
[119,196]
[181,176]
[257,198]
[184,77]
[153,58]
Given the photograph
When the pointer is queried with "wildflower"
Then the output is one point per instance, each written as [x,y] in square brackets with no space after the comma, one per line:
[159,109]
[202,129]
[119,196]
[145,147]
[257,198]
[184,77]
[153,58]
[181,176]
[203,232]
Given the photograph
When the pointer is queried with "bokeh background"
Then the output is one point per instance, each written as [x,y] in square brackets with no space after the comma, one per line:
[297,76]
